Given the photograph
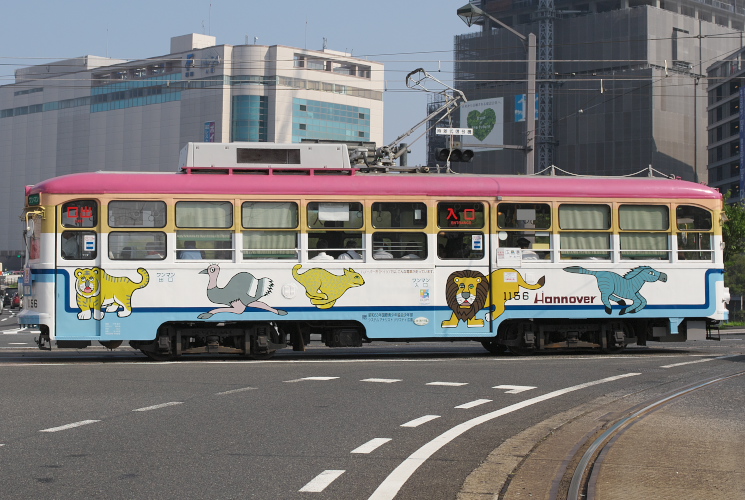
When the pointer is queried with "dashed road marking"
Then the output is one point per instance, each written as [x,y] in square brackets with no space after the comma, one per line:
[514,389]
[478,402]
[391,485]
[69,426]
[162,405]
[448,384]
[311,378]
[371,445]
[419,421]
[233,391]
[382,380]
[321,481]
[698,361]
[17,343]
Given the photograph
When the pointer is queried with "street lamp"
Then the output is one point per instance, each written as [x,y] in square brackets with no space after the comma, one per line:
[470,14]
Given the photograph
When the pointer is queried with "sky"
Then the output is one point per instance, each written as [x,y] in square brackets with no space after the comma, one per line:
[404,35]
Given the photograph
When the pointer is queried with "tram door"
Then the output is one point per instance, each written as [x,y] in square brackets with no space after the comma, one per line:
[78,248]
[462,268]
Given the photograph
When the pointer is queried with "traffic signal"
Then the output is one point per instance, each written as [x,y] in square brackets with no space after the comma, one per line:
[456,155]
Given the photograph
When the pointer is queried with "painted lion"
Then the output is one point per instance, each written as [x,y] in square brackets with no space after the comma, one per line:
[466,294]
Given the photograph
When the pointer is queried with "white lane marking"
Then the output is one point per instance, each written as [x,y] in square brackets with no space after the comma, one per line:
[69,426]
[514,389]
[321,481]
[478,402]
[382,380]
[162,405]
[396,479]
[371,445]
[698,361]
[419,421]
[233,391]
[17,343]
[448,384]
[311,378]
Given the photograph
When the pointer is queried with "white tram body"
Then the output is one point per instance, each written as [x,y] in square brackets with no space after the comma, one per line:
[249,248]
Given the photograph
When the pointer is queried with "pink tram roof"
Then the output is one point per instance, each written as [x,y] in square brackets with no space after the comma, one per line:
[363,184]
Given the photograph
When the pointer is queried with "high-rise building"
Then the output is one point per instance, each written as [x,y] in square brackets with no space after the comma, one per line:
[95,113]
[726,118]
[621,85]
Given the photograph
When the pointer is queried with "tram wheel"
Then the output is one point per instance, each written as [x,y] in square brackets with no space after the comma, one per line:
[512,332]
[611,346]
[493,347]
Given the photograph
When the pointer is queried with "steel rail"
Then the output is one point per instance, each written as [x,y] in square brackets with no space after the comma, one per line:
[577,483]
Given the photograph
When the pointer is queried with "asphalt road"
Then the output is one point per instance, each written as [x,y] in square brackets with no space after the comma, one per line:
[387,420]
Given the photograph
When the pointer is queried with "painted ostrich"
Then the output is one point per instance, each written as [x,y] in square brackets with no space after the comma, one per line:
[242,291]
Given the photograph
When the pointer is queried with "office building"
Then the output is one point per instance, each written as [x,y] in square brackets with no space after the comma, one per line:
[94,113]
[621,85]
[726,118]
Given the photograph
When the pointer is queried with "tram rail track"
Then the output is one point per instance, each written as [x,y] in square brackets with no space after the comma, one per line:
[586,472]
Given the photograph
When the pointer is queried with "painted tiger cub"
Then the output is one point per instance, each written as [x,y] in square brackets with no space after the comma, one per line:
[96,289]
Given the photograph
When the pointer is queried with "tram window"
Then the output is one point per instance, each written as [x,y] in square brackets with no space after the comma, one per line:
[463,215]
[580,217]
[330,245]
[80,214]
[399,246]
[460,245]
[269,215]
[644,217]
[214,214]
[535,244]
[644,245]
[212,245]
[690,218]
[270,245]
[585,245]
[78,245]
[137,245]
[694,246]
[694,236]
[346,215]
[399,215]
[524,216]
[137,214]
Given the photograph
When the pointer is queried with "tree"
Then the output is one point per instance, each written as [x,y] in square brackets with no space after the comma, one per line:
[733,229]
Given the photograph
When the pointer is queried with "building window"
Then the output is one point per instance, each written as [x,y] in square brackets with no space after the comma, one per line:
[249,118]
[329,121]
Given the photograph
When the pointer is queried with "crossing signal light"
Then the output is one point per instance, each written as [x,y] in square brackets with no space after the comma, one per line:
[456,155]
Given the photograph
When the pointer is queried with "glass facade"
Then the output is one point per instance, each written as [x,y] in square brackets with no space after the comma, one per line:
[325,120]
[250,115]
[133,93]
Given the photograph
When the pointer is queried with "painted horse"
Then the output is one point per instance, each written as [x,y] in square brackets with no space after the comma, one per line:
[615,287]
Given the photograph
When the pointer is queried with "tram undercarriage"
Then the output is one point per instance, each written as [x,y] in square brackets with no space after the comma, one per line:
[260,340]
[522,337]
[255,340]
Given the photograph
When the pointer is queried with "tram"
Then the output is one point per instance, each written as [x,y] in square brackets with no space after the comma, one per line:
[248,248]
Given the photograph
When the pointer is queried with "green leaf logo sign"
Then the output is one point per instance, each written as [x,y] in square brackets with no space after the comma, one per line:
[482,123]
